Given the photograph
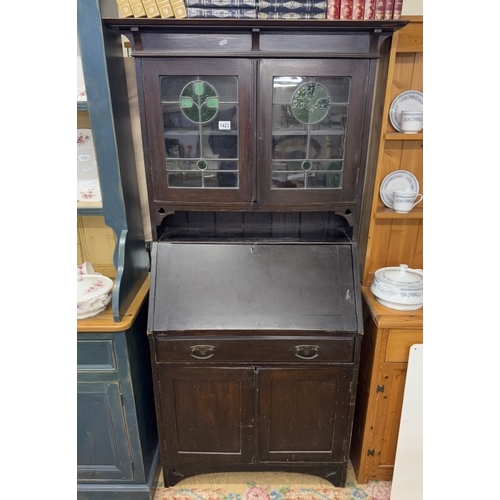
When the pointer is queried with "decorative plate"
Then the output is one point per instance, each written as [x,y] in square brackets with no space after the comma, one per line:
[411,100]
[93,294]
[399,179]
[88,188]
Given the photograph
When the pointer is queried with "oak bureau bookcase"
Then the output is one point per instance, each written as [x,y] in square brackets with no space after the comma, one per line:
[256,144]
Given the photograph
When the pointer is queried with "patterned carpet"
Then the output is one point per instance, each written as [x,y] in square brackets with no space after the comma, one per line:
[271,486]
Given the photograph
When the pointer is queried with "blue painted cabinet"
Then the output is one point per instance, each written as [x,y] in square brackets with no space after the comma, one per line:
[101,51]
[117,443]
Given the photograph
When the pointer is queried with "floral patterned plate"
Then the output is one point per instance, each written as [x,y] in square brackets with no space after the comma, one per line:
[88,188]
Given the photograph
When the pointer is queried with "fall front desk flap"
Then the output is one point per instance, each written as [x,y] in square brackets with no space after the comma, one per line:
[254,287]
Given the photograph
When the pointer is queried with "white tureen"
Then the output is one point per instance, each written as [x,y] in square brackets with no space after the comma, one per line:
[399,288]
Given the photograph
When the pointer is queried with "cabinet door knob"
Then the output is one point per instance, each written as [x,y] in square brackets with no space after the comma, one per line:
[306,351]
[202,351]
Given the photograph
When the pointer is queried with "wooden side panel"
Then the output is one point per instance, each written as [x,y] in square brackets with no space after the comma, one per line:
[96,243]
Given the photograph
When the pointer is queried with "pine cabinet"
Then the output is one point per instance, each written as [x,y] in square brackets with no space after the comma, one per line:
[392,239]
[388,337]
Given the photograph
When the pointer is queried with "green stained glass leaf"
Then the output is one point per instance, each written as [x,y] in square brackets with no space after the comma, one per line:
[198,87]
[212,102]
[186,102]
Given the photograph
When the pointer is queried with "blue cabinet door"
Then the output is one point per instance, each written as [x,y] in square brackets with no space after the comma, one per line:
[103,444]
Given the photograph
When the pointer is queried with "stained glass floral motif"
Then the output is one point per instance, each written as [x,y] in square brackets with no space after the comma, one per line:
[199,102]
[310,103]
[309,130]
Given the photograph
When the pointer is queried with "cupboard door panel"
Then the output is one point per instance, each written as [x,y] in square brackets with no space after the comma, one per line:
[103,442]
[311,129]
[207,414]
[198,124]
[303,413]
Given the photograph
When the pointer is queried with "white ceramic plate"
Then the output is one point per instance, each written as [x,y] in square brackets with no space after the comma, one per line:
[411,100]
[93,294]
[399,179]
[88,188]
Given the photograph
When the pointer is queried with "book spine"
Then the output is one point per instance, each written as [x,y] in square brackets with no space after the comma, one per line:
[398,9]
[179,8]
[292,6]
[225,4]
[346,9]
[358,9]
[222,13]
[389,6]
[369,10]
[151,8]
[379,9]
[165,8]
[124,8]
[333,9]
[291,15]
[138,8]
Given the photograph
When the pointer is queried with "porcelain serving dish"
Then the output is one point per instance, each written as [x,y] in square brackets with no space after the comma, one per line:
[399,288]
[93,294]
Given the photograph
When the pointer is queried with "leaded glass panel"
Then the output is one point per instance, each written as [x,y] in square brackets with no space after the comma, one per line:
[200,125]
[309,131]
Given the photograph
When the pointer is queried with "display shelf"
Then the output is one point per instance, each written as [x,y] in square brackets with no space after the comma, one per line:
[109,119]
[397,136]
[104,321]
[389,213]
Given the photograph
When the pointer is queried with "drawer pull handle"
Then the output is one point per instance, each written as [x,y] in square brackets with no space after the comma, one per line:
[202,351]
[306,351]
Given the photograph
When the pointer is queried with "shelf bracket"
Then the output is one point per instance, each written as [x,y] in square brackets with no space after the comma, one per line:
[136,34]
[255,39]
[375,41]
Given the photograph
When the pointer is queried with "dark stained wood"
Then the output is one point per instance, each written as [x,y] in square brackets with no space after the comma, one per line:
[255,320]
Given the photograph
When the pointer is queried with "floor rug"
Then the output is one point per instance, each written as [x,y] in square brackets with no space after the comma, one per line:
[270,486]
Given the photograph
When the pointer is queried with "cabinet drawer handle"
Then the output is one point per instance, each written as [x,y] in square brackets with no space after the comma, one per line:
[202,351]
[306,351]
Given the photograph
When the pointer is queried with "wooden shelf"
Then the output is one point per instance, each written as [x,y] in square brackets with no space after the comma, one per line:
[389,213]
[105,323]
[89,208]
[397,136]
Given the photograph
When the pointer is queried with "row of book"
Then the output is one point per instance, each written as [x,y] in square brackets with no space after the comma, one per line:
[364,10]
[264,9]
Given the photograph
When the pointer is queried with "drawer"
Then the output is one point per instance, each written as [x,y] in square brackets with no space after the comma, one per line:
[95,355]
[399,343]
[256,350]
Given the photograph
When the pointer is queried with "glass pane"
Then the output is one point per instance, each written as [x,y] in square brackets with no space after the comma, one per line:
[309,129]
[200,122]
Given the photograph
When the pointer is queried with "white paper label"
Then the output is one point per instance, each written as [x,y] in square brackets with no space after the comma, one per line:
[225,125]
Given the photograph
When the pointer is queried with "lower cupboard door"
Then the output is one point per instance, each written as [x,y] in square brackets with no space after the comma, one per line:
[207,414]
[303,414]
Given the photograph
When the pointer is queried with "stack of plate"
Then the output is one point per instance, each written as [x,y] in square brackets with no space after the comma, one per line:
[93,291]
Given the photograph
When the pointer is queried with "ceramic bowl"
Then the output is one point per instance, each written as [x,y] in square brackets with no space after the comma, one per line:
[399,288]
[93,294]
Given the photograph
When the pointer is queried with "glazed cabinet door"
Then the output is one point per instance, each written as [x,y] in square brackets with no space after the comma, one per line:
[311,129]
[303,414]
[198,117]
[207,414]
